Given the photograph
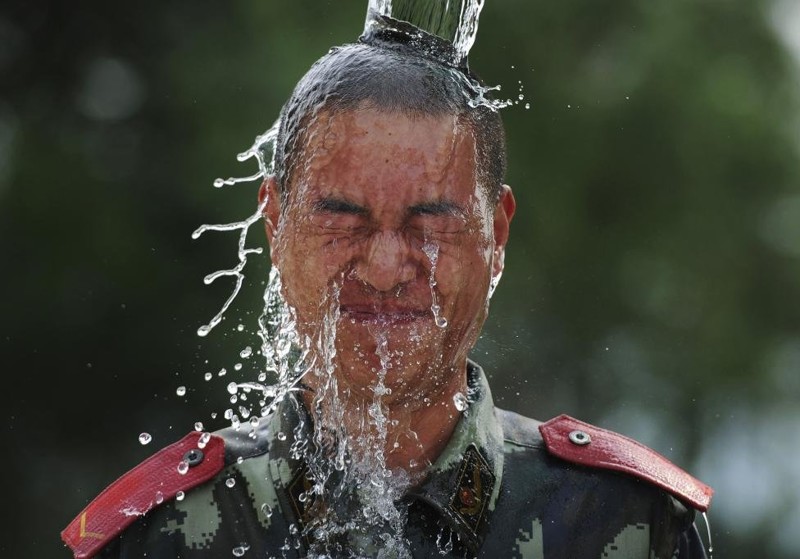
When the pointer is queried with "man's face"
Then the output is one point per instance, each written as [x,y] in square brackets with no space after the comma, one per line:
[386,209]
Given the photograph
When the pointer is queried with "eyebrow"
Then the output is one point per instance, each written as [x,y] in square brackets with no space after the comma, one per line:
[441,207]
[339,206]
[342,206]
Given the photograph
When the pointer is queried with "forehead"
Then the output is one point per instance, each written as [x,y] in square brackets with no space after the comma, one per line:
[368,147]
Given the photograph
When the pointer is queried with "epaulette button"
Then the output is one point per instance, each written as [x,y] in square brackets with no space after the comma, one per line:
[193,457]
[580,438]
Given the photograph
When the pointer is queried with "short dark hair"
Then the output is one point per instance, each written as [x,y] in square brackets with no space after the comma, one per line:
[393,79]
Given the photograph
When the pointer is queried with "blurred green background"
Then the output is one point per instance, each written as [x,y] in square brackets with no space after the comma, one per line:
[653,280]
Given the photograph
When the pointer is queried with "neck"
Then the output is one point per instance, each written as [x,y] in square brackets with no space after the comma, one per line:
[417,425]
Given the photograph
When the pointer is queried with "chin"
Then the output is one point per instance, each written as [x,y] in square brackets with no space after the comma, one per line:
[411,369]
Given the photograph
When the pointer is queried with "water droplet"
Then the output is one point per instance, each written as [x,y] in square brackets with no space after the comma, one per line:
[203,440]
[181,391]
[180,495]
[237,367]
[233,388]
[230,482]
[183,467]
[246,352]
[219,183]
[281,436]
[240,328]
[207,376]
[527,106]
[708,532]
[222,372]
[198,426]
[431,250]
[240,550]
[460,401]
[266,509]
[145,438]
[159,497]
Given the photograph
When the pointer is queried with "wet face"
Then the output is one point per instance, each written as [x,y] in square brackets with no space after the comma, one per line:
[386,210]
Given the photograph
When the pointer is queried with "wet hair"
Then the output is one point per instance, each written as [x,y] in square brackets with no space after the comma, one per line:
[391,78]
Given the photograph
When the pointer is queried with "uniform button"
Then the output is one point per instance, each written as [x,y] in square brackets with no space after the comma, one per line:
[580,438]
[193,457]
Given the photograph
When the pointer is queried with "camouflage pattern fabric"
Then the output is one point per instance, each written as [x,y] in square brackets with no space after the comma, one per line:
[494,492]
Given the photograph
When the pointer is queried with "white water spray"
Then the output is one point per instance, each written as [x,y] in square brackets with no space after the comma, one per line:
[431,250]
[263,144]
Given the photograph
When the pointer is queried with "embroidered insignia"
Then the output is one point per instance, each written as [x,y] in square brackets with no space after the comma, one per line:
[473,489]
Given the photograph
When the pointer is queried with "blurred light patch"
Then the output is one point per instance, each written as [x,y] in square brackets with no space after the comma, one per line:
[111,90]
[780,225]
[786,20]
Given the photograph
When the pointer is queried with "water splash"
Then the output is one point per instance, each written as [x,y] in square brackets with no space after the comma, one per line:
[708,532]
[493,283]
[455,21]
[460,401]
[441,29]
[345,452]
[444,546]
[262,150]
[431,250]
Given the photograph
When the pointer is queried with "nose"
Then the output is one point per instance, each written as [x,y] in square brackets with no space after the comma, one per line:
[387,262]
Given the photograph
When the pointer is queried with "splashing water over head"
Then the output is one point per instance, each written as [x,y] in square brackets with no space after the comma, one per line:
[453,21]
[411,63]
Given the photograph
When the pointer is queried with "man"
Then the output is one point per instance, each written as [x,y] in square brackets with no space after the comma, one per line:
[387,220]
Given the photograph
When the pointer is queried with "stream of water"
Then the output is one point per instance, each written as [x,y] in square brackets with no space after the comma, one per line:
[345,457]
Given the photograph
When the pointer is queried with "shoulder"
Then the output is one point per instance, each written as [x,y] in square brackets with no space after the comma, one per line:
[194,460]
[576,442]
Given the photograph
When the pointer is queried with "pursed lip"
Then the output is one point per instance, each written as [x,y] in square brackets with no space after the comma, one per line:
[383,313]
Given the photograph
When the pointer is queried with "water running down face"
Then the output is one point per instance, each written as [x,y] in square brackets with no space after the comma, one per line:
[380,200]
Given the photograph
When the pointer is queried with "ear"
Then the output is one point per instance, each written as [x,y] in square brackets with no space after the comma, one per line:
[503,212]
[271,210]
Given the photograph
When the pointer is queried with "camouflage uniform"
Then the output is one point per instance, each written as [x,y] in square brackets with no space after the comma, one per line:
[495,492]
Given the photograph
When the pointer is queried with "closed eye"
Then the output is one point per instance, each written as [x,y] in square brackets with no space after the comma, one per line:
[437,218]
[338,216]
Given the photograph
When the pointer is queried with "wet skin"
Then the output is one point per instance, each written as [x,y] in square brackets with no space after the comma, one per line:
[378,198]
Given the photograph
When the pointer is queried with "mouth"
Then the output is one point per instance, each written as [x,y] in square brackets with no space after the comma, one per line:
[383,315]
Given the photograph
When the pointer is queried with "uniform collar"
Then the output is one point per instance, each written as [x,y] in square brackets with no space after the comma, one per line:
[464,482]
[462,485]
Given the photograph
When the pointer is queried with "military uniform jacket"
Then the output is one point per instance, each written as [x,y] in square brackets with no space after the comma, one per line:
[505,487]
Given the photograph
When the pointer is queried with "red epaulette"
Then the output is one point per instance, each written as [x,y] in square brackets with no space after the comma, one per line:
[178,467]
[587,445]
